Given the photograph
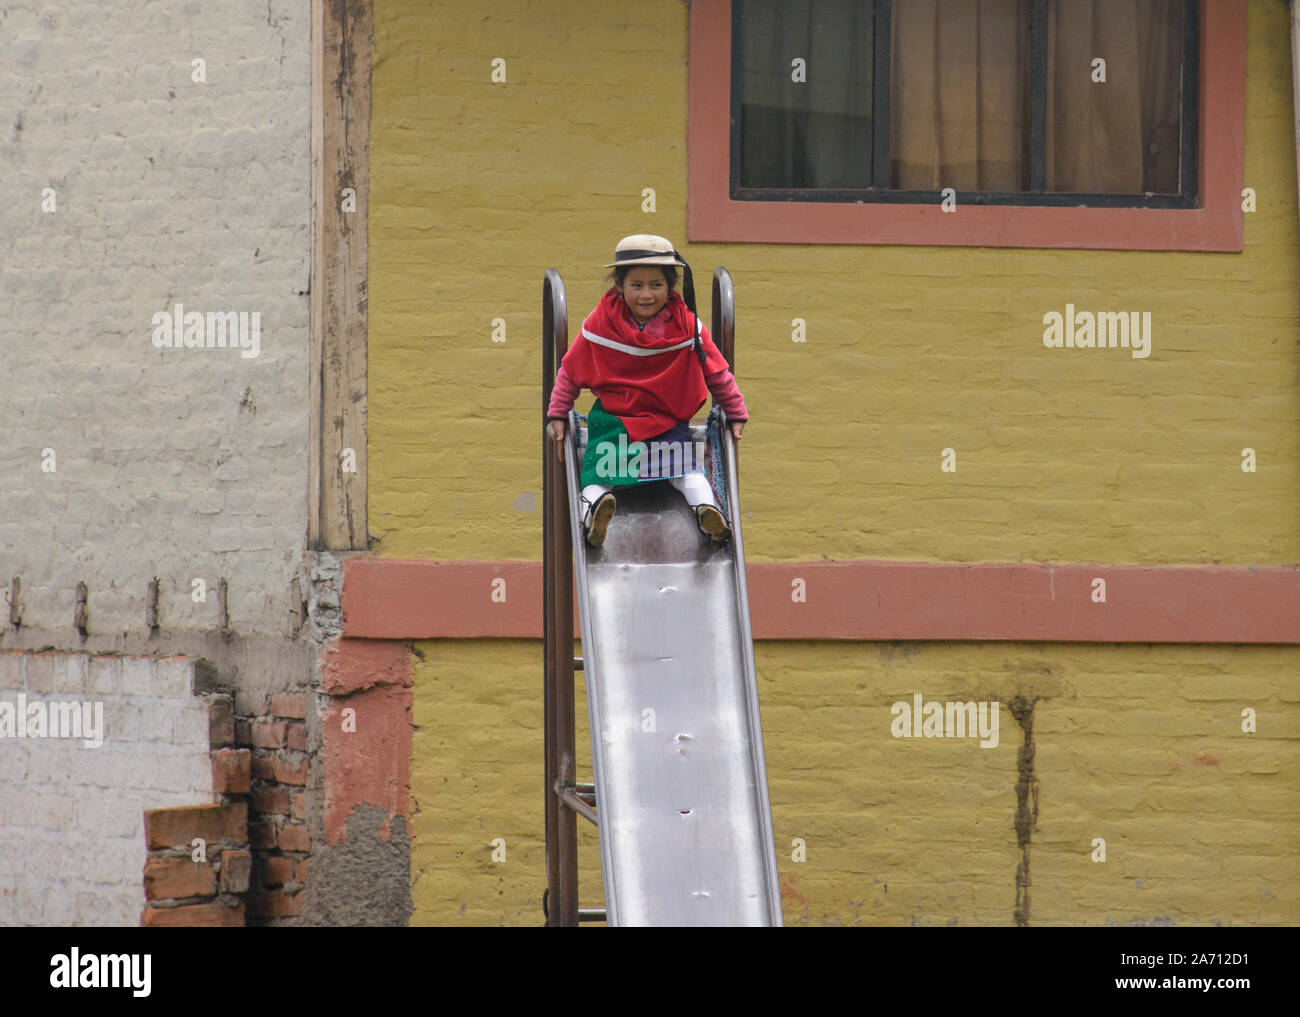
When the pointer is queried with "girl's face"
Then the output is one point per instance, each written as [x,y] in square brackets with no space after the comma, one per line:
[646,291]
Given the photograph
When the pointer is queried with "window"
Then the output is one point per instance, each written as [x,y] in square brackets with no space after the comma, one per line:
[1064,102]
[830,121]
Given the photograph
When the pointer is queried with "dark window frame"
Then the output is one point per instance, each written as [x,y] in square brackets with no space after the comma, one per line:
[879,193]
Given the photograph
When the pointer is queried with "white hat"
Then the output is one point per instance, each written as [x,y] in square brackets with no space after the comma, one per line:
[645,249]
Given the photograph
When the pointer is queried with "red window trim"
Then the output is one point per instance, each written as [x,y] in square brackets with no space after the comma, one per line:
[712,216]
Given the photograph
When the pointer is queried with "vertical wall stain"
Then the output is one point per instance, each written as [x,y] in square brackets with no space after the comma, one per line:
[1022,709]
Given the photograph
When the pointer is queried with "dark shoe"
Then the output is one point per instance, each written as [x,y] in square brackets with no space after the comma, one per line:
[601,514]
[712,523]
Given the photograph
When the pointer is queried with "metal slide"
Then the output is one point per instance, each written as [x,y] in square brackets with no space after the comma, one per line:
[677,747]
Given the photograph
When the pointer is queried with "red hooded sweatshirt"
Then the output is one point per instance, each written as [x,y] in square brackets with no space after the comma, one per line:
[648,376]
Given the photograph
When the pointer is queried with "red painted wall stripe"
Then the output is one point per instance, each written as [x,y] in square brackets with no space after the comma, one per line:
[711,215]
[867,600]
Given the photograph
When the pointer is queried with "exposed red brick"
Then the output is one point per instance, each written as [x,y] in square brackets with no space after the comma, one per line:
[294,837]
[271,800]
[221,722]
[301,877]
[263,768]
[274,904]
[268,734]
[178,877]
[288,704]
[236,868]
[231,771]
[298,806]
[178,827]
[276,871]
[192,915]
[287,773]
[296,736]
[261,836]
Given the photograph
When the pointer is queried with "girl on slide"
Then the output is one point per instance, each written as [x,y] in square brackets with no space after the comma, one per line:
[651,363]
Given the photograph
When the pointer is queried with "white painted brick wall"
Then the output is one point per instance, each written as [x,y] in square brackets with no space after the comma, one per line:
[71,817]
[179,464]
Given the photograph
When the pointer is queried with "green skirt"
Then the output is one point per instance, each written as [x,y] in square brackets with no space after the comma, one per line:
[613,461]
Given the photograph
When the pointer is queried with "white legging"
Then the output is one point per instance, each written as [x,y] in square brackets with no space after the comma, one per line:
[694,488]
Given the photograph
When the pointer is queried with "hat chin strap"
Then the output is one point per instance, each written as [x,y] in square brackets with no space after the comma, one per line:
[688,293]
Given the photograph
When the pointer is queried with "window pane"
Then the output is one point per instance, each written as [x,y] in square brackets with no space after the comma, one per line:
[808,124]
[960,95]
[1120,135]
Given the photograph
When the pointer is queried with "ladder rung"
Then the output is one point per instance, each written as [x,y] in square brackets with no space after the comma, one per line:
[591,914]
[570,798]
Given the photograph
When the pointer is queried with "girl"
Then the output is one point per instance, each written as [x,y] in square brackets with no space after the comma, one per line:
[651,363]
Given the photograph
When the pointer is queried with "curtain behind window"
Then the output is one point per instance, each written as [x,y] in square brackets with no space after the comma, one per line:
[814,133]
[960,95]
[961,92]
[1120,136]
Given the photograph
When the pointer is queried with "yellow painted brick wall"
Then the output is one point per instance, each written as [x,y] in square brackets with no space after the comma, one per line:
[1139,746]
[1064,455]
[476,775]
